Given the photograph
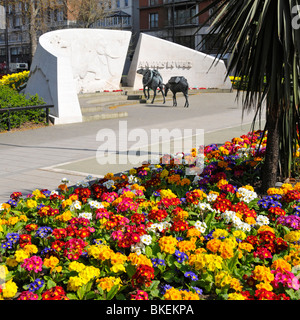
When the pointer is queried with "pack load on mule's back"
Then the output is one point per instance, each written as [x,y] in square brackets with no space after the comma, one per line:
[152,79]
[178,84]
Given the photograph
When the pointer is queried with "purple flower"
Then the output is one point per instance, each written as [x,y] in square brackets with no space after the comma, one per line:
[191,275]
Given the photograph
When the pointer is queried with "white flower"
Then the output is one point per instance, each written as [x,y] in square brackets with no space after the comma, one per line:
[262,220]
[236,221]
[160,227]
[132,179]
[89,177]
[246,195]
[146,239]
[212,197]
[108,184]
[86,215]
[65,180]
[201,226]
[95,204]
[75,205]
[196,179]
[246,227]
[53,192]
[138,248]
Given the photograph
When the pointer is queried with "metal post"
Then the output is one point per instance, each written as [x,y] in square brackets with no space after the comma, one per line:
[6,37]
[47,115]
[8,123]
[173,20]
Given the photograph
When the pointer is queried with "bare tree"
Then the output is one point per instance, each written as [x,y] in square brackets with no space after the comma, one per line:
[87,12]
[36,16]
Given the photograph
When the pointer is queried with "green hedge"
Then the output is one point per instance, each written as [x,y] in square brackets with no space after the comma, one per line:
[10,98]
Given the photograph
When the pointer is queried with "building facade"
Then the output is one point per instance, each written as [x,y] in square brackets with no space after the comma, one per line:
[176,21]
[15,41]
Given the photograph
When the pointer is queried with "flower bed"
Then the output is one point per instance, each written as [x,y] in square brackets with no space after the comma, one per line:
[156,233]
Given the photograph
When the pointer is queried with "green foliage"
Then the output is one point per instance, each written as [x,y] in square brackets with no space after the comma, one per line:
[10,98]
[265,51]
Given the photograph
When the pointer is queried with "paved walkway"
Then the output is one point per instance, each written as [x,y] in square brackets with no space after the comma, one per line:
[39,158]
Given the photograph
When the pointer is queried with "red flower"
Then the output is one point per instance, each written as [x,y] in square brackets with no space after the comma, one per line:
[58,245]
[84,233]
[262,253]
[179,226]
[143,276]
[59,233]
[157,214]
[137,218]
[55,293]
[24,240]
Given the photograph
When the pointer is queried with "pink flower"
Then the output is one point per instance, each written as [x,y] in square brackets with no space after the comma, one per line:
[117,235]
[295,284]
[33,264]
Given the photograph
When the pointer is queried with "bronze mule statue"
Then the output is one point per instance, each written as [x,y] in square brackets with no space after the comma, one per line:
[152,80]
[178,84]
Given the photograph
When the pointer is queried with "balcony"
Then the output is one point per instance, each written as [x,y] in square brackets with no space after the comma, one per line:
[182,21]
[170,2]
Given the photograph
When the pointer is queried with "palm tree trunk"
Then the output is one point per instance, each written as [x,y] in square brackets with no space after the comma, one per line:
[271,163]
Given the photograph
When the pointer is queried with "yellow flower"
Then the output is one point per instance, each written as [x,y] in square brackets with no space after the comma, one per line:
[31,203]
[272,191]
[66,203]
[187,245]
[89,273]
[293,236]
[132,172]
[108,282]
[38,194]
[219,233]
[5,206]
[239,234]
[12,220]
[51,262]
[23,218]
[264,285]
[139,259]
[262,273]
[235,296]
[164,173]
[168,244]
[282,265]
[11,263]
[222,182]
[31,248]
[265,228]
[21,255]
[74,283]
[9,289]
[222,279]
[167,194]
[118,267]
[172,294]
[118,258]
[64,217]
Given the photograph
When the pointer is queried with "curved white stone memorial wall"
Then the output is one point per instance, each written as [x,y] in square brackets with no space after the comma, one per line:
[73,61]
[172,59]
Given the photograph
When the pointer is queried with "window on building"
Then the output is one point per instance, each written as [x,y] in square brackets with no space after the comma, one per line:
[184,15]
[153,2]
[118,4]
[126,3]
[153,18]
[187,41]
[60,15]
